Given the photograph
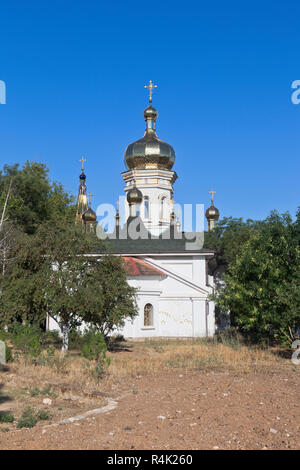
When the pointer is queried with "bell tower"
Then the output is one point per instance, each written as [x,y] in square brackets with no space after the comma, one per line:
[149,163]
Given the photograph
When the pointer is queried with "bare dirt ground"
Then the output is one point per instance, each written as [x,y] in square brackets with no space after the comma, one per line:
[232,405]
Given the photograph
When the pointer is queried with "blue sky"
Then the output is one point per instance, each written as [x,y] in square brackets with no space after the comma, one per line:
[75,73]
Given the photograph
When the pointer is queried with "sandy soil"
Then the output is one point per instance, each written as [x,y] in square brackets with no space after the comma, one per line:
[184,410]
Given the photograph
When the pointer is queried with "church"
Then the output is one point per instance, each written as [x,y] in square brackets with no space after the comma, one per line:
[171,270]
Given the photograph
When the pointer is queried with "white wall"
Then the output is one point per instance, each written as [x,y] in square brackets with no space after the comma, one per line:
[179,300]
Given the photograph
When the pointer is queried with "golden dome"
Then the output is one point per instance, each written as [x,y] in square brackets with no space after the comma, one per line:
[89,215]
[134,196]
[150,151]
[212,213]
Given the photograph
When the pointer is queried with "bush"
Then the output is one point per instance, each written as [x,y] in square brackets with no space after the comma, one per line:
[76,339]
[94,348]
[27,419]
[94,345]
[231,337]
[27,339]
[51,338]
[43,415]
[9,354]
[6,418]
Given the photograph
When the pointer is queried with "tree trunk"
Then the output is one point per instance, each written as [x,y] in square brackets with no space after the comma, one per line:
[65,337]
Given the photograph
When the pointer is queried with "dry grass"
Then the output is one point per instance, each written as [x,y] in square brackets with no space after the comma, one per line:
[152,357]
[133,359]
[74,387]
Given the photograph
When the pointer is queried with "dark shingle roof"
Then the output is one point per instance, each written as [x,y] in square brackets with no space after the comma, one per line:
[173,242]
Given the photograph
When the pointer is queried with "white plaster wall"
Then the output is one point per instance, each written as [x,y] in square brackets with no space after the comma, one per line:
[179,302]
[176,317]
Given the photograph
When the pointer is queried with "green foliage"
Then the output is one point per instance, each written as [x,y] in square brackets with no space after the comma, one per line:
[43,415]
[26,338]
[9,354]
[76,339]
[231,337]
[6,418]
[94,348]
[34,198]
[229,237]
[94,345]
[262,286]
[28,418]
[50,276]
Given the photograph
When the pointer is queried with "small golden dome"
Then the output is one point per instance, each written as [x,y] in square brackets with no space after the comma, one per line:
[150,113]
[89,215]
[212,213]
[134,196]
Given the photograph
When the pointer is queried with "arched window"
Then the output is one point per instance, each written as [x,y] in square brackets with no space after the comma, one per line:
[163,208]
[146,207]
[148,315]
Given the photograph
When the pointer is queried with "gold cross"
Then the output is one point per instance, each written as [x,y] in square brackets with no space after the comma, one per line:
[150,88]
[118,204]
[90,198]
[82,160]
[212,192]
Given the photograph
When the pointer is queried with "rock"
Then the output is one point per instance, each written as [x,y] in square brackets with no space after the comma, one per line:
[47,401]
[161,417]
[273,431]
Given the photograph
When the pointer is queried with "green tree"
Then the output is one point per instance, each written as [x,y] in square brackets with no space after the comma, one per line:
[54,274]
[33,199]
[229,237]
[262,285]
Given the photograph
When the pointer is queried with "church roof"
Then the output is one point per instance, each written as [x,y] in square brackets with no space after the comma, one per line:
[137,267]
[177,242]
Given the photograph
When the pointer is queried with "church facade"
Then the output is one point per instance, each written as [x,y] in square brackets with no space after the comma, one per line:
[169,268]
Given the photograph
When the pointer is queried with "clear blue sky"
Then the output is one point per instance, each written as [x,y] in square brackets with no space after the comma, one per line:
[75,73]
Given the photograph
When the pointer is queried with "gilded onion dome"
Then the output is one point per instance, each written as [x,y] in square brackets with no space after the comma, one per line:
[149,152]
[89,215]
[212,213]
[134,196]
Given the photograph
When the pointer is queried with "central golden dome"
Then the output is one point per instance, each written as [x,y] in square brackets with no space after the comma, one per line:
[149,152]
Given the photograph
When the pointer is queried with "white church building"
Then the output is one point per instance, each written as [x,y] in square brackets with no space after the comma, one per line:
[169,268]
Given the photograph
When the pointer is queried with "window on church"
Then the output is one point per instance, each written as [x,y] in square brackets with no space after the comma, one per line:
[148,315]
[163,208]
[146,207]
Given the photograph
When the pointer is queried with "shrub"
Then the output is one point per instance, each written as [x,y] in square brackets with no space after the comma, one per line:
[34,392]
[94,346]
[76,339]
[231,337]
[50,338]
[27,419]
[46,359]
[9,354]
[6,418]
[27,339]
[43,415]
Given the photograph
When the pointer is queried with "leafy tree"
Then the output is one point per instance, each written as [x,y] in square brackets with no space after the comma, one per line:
[229,236]
[262,286]
[53,274]
[33,199]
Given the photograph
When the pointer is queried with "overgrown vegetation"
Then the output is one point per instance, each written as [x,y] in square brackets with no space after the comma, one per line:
[262,282]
